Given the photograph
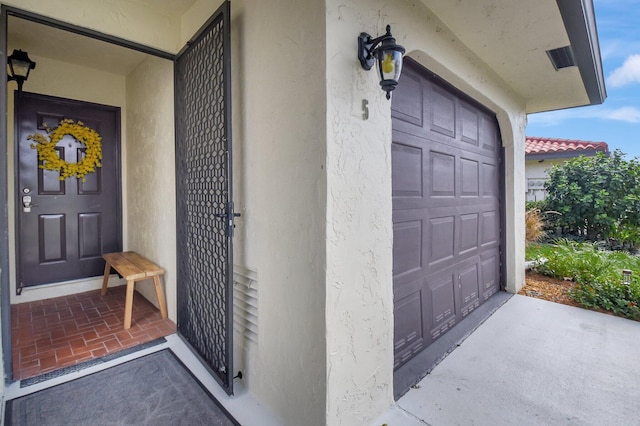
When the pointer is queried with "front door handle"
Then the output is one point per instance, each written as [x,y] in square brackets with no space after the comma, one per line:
[27,203]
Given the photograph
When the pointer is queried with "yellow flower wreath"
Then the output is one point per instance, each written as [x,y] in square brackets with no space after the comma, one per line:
[49,157]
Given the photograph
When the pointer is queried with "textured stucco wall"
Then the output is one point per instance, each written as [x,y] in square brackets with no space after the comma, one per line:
[279,155]
[282,133]
[150,165]
[71,81]
[359,233]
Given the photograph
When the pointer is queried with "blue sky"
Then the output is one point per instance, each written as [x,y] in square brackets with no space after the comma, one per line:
[617,121]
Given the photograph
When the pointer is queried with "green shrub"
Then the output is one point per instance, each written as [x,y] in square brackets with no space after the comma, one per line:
[594,194]
[535,251]
[624,237]
[610,294]
[540,205]
[597,274]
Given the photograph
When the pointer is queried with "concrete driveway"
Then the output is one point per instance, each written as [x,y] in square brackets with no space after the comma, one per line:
[533,362]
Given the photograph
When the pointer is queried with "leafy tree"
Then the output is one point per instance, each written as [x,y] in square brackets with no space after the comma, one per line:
[595,195]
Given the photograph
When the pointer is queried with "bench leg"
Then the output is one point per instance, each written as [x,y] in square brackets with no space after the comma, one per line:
[105,280]
[128,304]
[160,296]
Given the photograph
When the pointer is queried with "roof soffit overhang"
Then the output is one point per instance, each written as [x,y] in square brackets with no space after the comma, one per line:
[513,36]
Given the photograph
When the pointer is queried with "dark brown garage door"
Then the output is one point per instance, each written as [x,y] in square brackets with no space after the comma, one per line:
[446,211]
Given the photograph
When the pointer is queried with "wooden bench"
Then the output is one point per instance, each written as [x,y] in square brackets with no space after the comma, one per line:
[133,267]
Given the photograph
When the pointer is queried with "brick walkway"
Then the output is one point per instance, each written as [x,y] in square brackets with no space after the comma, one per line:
[64,331]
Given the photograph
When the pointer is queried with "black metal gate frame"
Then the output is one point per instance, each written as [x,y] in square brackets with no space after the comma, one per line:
[204,204]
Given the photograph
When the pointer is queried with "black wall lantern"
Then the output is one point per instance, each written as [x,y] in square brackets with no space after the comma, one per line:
[389,56]
[19,67]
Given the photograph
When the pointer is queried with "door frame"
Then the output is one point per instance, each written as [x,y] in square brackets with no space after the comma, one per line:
[5,289]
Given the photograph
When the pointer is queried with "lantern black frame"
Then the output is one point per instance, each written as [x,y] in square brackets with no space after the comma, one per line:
[370,49]
[19,56]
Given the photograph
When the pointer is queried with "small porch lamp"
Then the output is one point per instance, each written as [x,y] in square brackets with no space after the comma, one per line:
[19,67]
[389,56]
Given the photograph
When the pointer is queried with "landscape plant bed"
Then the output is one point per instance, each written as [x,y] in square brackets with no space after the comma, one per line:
[548,288]
[553,290]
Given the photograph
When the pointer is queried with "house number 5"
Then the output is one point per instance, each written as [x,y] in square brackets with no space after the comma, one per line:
[365,109]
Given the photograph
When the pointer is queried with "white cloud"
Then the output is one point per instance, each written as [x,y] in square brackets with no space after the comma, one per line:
[628,73]
[628,114]
[553,118]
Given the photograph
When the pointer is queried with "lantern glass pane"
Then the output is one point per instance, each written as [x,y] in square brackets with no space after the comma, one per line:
[19,68]
[389,64]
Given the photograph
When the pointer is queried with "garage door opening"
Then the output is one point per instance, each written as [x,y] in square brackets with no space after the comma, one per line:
[447,183]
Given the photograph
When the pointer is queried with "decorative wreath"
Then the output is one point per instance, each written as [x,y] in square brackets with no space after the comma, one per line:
[47,154]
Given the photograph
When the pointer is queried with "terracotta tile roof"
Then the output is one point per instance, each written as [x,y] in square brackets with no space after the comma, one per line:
[535,145]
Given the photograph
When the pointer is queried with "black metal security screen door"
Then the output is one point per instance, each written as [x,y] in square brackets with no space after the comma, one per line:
[204,196]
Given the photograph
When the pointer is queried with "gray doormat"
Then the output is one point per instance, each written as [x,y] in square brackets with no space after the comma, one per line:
[156,389]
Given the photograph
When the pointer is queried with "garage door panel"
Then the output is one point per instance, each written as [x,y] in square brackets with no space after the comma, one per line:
[408,285]
[442,303]
[469,178]
[490,180]
[442,117]
[489,135]
[469,124]
[490,223]
[408,109]
[490,274]
[407,247]
[441,175]
[441,239]
[407,173]
[408,328]
[469,288]
[469,232]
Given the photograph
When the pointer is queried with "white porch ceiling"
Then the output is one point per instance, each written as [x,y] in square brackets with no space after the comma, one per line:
[512,37]
[53,43]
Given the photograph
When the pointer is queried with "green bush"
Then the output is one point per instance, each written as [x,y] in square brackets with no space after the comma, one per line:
[536,205]
[597,274]
[535,251]
[610,294]
[594,195]
[624,237]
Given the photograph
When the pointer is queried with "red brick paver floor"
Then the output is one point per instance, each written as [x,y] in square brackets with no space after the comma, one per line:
[64,331]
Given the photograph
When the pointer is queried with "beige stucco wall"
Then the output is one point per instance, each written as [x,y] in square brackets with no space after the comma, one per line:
[150,166]
[70,81]
[279,138]
[360,235]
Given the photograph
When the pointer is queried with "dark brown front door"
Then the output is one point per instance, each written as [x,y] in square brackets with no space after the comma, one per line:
[70,223]
[446,184]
